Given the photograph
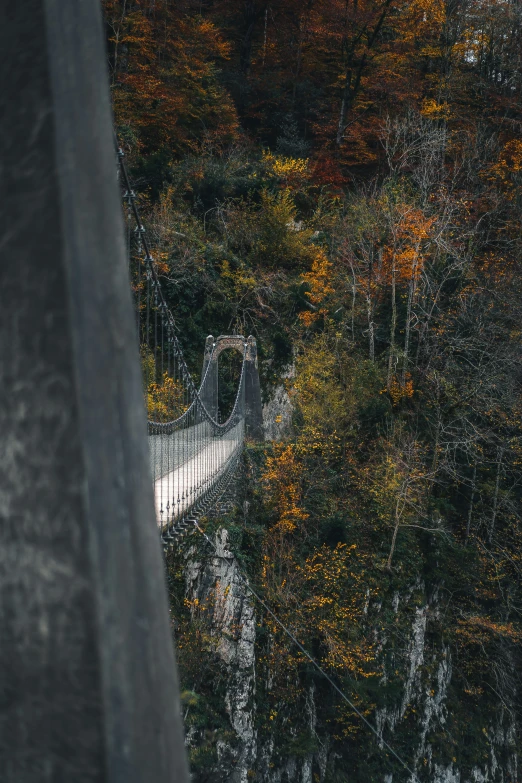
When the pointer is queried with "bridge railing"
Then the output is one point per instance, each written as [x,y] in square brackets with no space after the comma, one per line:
[193,453]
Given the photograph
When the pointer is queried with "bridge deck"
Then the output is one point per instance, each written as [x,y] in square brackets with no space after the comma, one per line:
[177,490]
[168,452]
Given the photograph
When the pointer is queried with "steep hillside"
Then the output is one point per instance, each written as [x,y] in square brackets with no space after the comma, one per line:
[344,181]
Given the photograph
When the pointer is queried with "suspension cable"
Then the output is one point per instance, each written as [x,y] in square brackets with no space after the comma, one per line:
[198,451]
[153,280]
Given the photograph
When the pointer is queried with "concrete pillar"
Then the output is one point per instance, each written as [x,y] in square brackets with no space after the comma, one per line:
[209,392]
[88,683]
[253,407]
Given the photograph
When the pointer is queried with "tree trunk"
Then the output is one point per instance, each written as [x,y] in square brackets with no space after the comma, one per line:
[117,34]
[371,332]
[353,310]
[341,127]
[434,465]
[349,95]
[411,293]
[500,453]
[265,35]
[369,304]
[351,90]
[354,292]
[471,503]
[393,326]
[394,537]
[251,15]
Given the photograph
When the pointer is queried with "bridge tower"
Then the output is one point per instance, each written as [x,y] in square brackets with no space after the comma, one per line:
[253,407]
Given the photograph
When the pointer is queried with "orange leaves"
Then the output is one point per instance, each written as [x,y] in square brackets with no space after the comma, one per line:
[434,110]
[389,239]
[507,172]
[424,19]
[398,390]
[164,77]
[410,231]
[319,278]
[307,318]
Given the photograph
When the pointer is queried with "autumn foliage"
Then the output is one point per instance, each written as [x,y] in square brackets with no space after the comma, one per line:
[343,179]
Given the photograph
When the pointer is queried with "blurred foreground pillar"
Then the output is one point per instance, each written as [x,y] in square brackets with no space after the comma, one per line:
[88,688]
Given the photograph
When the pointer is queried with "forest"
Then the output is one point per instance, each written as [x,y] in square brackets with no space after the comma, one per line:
[342,179]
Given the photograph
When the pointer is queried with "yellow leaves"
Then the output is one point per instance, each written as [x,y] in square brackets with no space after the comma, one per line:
[165,399]
[474,690]
[478,630]
[282,480]
[431,51]
[424,18]
[329,598]
[434,9]
[319,280]
[397,480]
[280,240]
[511,155]
[434,110]
[318,395]
[291,171]
[334,582]
[241,279]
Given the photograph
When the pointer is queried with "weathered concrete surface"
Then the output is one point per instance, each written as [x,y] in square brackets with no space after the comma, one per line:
[88,689]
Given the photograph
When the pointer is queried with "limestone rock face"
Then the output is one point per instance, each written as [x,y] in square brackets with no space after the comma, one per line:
[218,585]
[278,411]
[424,702]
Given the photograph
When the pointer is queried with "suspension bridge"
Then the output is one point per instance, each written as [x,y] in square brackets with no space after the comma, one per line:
[193,455]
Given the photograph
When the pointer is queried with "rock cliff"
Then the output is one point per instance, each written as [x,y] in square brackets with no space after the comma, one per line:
[414,718]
